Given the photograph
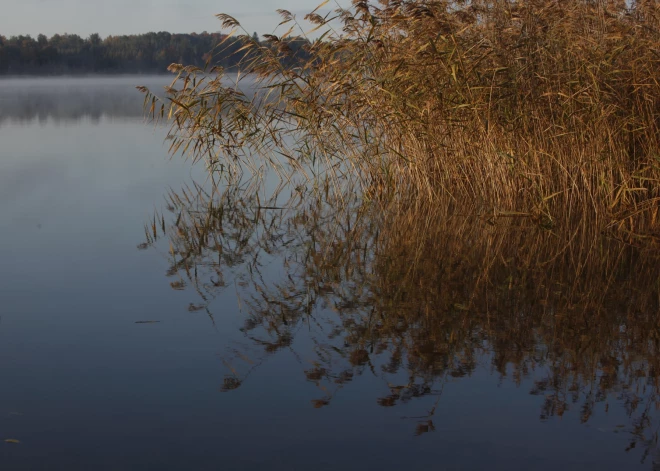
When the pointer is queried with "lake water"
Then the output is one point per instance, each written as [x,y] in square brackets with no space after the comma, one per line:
[237,336]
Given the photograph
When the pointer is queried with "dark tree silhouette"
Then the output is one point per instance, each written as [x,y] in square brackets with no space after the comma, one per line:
[143,53]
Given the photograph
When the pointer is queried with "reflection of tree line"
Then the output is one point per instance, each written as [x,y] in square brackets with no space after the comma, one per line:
[69,104]
[419,296]
[70,100]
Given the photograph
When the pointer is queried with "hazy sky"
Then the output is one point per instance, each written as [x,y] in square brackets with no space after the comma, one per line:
[107,17]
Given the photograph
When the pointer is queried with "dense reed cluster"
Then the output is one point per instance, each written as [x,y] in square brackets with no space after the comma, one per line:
[499,139]
[543,108]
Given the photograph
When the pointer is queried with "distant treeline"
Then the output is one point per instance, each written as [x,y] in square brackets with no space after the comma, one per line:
[142,53]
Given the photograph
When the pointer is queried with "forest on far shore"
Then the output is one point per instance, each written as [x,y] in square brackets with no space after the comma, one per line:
[141,53]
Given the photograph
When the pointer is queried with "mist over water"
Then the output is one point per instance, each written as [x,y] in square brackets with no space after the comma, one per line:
[151,320]
[72,99]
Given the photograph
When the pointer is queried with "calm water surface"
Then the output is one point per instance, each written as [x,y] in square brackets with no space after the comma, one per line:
[270,350]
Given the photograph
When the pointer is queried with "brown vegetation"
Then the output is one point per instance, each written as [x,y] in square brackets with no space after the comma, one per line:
[466,159]
[542,108]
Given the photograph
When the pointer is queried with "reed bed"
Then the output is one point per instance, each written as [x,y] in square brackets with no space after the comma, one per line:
[546,109]
[464,159]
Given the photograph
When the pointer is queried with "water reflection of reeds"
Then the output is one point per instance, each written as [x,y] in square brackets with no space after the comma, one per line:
[420,296]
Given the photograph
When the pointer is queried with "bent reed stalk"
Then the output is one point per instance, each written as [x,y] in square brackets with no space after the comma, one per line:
[541,109]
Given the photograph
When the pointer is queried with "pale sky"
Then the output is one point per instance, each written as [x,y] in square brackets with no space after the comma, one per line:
[107,17]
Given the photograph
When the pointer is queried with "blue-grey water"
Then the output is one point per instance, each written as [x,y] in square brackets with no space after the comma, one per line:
[86,383]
